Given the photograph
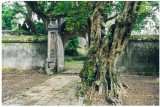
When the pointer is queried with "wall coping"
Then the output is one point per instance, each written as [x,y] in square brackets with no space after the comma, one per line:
[24,39]
[146,38]
[43,39]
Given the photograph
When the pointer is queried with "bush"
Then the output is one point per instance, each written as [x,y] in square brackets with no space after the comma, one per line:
[40,28]
[71,47]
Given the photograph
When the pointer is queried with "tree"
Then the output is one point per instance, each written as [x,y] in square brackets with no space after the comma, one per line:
[8,20]
[14,11]
[43,9]
[147,15]
[99,75]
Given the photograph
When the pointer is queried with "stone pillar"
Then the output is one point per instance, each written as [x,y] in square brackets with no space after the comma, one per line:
[51,61]
[60,54]
[55,58]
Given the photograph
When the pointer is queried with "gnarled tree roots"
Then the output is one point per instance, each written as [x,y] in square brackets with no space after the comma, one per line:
[111,97]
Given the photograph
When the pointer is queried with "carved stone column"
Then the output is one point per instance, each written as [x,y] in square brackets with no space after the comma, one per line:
[55,57]
[51,61]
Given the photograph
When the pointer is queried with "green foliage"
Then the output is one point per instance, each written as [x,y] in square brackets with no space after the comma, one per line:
[80,57]
[76,14]
[47,7]
[71,46]
[8,20]
[119,6]
[147,15]
[89,71]
[108,10]
[91,75]
[40,28]
[13,11]
[9,12]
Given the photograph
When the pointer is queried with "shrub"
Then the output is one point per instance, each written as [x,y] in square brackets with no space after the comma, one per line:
[40,28]
[71,47]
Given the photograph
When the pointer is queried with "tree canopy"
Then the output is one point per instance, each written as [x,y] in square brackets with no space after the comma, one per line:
[76,14]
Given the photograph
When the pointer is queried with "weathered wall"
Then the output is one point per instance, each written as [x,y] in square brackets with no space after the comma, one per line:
[141,57]
[24,55]
[6,32]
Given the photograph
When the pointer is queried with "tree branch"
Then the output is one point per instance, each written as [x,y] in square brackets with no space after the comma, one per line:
[112,17]
[34,7]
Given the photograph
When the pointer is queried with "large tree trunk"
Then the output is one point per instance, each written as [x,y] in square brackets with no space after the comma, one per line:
[99,75]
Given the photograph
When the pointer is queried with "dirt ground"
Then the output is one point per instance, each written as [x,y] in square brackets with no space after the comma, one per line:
[14,81]
[143,90]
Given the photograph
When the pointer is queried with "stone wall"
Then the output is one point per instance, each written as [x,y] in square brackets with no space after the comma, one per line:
[138,57]
[24,55]
[6,32]
[141,57]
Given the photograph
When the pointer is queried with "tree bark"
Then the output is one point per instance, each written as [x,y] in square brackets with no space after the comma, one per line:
[99,75]
[29,21]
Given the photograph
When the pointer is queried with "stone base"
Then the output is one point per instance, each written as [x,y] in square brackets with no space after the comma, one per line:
[50,65]
[51,71]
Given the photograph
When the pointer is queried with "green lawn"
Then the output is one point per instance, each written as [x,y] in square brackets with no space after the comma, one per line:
[76,65]
[75,62]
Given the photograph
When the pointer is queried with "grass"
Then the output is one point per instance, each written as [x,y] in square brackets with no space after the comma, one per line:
[80,57]
[75,58]
[75,62]
[76,65]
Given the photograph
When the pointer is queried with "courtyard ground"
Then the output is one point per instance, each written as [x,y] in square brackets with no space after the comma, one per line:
[14,81]
[143,90]
[30,88]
